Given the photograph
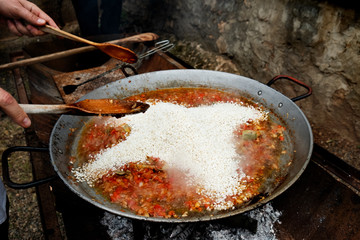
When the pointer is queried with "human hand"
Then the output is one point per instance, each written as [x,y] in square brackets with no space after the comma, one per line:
[9,105]
[16,12]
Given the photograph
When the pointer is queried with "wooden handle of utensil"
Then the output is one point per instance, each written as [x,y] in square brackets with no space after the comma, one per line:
[45,109]
[143,37]
[61,33]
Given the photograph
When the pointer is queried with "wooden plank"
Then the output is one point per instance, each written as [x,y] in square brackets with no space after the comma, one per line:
[336,166]
[41,169]
[42,91]
[318,207]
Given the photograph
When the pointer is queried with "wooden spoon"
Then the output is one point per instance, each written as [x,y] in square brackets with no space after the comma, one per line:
[115,51]
[88,106]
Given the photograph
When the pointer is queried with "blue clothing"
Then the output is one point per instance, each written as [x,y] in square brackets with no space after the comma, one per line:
[2,203]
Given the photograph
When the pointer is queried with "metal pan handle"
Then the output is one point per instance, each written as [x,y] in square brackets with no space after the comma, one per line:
[6,173]
[298,82]
[125,71]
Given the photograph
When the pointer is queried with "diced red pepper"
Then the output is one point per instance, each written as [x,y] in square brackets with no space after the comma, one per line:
[159,211]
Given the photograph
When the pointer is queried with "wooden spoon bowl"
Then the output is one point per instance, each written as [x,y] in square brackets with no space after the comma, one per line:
[110,106]
[115,51]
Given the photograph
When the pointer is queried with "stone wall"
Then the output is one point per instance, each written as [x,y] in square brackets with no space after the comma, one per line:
[317,42]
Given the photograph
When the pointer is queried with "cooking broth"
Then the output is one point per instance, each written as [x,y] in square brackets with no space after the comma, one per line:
[149,187]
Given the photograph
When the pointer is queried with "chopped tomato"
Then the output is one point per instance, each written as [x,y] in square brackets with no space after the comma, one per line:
[159,211]
[149,190]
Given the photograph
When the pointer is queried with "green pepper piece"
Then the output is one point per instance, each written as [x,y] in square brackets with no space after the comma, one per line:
[249,135]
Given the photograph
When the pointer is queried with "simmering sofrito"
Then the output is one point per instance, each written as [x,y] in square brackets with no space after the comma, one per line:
[195,151]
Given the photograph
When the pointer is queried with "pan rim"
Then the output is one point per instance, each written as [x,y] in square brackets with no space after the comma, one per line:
[188,73]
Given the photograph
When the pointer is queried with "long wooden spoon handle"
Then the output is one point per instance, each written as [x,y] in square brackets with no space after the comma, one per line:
[143,37]
[45,109]
[61,33]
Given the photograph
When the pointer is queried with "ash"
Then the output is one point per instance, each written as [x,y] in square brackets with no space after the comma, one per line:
[117,227]
[257,224]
